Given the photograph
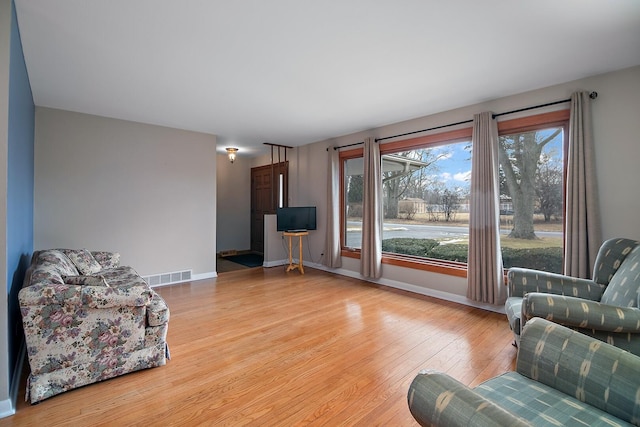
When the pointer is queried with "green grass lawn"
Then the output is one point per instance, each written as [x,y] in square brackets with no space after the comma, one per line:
[542,242]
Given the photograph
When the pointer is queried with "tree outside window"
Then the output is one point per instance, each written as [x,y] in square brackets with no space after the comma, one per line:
[531,195]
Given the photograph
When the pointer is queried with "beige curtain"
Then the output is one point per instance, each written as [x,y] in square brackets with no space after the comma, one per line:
[371,253]
[583,235]
[332,241]
[485,276]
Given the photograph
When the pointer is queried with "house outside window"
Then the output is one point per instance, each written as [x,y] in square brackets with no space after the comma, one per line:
[426,184]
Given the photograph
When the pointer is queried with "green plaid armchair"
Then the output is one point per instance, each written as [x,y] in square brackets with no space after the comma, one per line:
[562,378]
[605,307]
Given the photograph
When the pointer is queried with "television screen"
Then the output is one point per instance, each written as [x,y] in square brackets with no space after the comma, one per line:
[301,218]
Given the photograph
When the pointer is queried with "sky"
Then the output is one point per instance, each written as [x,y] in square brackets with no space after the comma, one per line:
[454,169]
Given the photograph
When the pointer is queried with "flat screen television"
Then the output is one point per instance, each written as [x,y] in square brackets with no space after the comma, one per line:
[301,218]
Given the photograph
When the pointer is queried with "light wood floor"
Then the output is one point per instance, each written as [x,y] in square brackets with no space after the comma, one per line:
[264,347]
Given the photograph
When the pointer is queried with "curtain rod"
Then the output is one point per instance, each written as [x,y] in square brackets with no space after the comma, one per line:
[592,95]
[425,130]
[347,145]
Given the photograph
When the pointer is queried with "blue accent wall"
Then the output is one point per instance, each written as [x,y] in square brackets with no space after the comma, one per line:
[20,187]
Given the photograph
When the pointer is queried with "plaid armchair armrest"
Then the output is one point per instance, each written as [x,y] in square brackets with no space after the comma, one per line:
[594,372]
[524,280]
[436,399]
[580,313]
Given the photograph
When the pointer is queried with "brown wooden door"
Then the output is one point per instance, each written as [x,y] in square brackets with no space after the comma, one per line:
[264,198]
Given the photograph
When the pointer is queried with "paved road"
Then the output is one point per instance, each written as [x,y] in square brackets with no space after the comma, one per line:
[420,231]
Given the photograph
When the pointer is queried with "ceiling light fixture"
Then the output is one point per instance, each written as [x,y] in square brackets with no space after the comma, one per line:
[231,152]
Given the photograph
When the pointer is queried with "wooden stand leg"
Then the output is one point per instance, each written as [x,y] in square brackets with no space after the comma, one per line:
[299,265]
[291,266]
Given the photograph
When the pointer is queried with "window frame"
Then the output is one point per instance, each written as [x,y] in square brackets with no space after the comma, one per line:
[558,118]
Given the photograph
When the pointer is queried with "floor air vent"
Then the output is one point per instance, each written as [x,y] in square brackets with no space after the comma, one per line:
[168,278]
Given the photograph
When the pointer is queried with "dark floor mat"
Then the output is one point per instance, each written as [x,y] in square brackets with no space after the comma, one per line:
[249,260]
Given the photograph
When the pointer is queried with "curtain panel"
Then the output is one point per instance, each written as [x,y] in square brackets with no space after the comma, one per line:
[371,252]
[485,275]
[333,258]
[583,234]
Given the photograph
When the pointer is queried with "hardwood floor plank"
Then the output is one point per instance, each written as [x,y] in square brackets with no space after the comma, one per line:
[267,347]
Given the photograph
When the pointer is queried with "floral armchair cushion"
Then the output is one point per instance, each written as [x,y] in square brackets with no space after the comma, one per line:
[107,259]
[55,260]
[83,260]
[98,280]
[51,267]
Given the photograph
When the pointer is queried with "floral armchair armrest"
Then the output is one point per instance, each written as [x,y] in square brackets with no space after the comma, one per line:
[580,313]
[436,399]
[82,295]
[523,280]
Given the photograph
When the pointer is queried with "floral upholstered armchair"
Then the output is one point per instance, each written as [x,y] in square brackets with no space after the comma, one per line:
[605,307]
[87,319]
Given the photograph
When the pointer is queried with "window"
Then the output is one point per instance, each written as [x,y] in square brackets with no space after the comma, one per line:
[426,184]
[353,188]
[532,171]
[426,201]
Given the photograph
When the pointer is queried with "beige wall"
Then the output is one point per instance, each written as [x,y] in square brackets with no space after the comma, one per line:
[234,203]
[307,187]
[616,115]
[616,128]
[148,192]
[276,246]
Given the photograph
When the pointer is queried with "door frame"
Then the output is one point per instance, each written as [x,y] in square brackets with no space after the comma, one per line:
[265,204]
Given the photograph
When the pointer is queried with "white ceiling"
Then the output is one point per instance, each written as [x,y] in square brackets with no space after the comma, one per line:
[294,72]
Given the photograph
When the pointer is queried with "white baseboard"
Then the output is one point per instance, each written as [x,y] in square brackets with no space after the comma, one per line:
[17,372]
[8,406]
[278,263]
[446,296]
[203,276]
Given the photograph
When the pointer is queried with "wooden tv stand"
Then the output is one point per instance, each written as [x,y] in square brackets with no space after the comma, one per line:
[291,235]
